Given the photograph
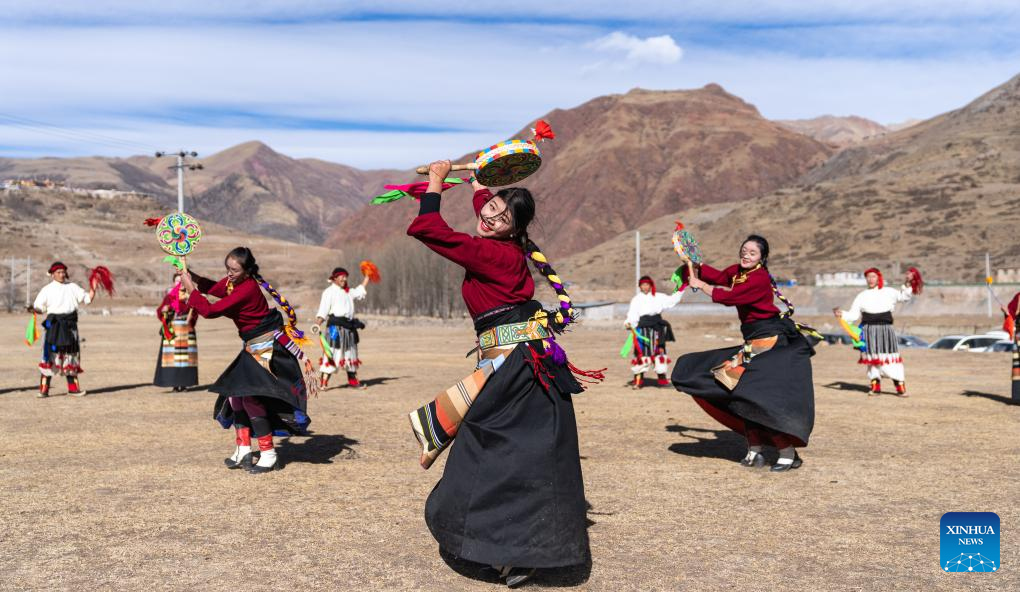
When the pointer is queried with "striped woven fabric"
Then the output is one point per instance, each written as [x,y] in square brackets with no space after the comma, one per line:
[882,346]
[435,423]
[182,350]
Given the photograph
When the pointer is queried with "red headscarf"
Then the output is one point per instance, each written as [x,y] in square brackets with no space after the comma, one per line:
[647,280]
[56,266]
[874,270]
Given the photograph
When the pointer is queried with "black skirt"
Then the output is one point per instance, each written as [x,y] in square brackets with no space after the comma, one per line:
[512,491]
[61,333]
[281,388]
[776,388]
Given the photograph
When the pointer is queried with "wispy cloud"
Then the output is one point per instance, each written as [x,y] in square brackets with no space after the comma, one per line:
[380,85]
[652,50]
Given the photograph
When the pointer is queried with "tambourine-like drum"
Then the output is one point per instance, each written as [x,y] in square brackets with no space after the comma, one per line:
[178,233]
[502,164]
[507,162]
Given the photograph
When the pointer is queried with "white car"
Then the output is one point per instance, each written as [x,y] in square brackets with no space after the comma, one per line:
[971,343]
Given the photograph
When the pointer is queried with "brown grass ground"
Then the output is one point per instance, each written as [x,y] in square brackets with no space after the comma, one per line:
[125,489]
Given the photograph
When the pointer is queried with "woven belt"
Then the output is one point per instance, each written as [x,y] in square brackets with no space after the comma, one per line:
[512,333]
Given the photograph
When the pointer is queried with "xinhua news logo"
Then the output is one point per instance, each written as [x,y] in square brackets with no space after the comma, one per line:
[969,542]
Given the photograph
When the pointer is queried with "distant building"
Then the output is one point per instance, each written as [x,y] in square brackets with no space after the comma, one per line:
[840,278]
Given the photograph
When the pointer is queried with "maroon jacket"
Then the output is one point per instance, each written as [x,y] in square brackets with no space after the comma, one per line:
[495,271]
[753,298]
[245,305]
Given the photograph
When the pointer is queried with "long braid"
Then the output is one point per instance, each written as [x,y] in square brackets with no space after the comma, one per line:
[565,314]
[786,301]
[292,330]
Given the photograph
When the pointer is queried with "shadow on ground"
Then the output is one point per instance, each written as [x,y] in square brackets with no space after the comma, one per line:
[723,444]
[847,386]
[317,449]
[998,398]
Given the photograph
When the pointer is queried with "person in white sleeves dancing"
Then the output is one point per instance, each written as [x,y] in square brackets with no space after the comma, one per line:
[650,331]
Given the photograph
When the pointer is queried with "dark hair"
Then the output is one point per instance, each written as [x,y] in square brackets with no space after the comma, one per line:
[763,246]
[521,206]
[245,259]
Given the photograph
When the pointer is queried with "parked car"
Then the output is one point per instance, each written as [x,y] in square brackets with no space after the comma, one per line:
[1001,346]
[911,341]
[836,338]
[971,343]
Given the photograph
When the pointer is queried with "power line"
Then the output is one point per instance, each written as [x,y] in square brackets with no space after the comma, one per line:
[72,134]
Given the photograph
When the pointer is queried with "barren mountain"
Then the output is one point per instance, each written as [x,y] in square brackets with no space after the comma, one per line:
[621,160]
[249,187]
[938,195]
[839,132]
[84,230]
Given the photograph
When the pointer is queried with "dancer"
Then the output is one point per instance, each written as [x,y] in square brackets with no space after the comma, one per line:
[266,387]
[650,331]
[60,300]
[177,363]
[337,306]
[763,388]
[874,307]
[511,495]
[1011,311]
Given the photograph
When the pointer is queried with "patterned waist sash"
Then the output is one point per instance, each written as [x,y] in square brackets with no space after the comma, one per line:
[512,334]
[729,372]
[261,349]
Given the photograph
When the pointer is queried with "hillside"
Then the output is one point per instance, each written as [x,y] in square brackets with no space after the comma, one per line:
[622,160]
[838,132]
[249,187]
[937,195]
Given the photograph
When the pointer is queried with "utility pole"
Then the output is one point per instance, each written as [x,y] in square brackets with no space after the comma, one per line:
[180,166]
[988,274]
[637,257]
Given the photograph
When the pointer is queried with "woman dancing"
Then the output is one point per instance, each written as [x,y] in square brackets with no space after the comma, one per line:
[177,364]
[511,495]
[874,307]
[266,387]
[763,388]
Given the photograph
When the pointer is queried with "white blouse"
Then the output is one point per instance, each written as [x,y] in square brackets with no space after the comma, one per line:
[876,300]
[646,304]
[57,298]
[338,302]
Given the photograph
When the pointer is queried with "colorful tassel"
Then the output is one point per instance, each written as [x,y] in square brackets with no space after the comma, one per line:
[175,261]
[369,270]
[101,276]
[32,331]
[542,131]
[415,190]
[152,221]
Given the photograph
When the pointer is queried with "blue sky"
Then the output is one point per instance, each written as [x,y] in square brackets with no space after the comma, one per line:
[392,85]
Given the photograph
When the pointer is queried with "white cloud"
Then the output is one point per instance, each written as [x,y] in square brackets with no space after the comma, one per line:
[652,50]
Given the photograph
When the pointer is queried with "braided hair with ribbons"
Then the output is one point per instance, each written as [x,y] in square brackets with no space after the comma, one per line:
[763,246]
[246,259]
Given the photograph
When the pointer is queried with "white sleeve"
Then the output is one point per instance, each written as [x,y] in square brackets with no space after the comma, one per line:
[632,312]
[358,293]
[672,300]
[854,313]
[40,300]
[80,294]
[904,294]
[324,303]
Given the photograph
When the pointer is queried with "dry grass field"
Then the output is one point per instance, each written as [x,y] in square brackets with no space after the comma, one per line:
[125,489]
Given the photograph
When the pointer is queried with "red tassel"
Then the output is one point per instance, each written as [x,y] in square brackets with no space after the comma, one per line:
[543,131]
[369,270]
[101,276]
[679,225]
[589,376]
[153,221]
